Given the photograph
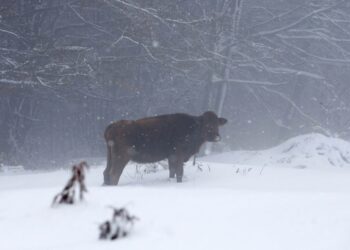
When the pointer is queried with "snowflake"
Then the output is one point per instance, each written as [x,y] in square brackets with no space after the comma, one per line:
[155,44]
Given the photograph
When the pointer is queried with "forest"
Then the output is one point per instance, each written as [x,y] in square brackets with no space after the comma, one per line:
[274,69]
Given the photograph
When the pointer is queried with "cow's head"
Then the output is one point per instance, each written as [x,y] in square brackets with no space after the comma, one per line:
[210,125]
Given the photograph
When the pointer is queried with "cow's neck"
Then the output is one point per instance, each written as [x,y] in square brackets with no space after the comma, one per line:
[198,139]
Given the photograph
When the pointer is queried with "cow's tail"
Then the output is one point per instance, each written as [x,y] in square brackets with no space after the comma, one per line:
[108,135]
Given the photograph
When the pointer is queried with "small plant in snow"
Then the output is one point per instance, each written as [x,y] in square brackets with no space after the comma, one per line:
[243,170]
[67,195]
[200,166]
[119,226]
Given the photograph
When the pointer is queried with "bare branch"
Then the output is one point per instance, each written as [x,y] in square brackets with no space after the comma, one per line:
[297,22]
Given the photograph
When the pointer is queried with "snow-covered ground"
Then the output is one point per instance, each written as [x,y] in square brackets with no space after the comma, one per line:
[295,196]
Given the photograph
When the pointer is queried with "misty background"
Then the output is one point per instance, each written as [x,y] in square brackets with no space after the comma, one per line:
[273,68]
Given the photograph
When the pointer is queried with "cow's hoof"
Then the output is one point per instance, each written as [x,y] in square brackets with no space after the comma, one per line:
[106,182]
[171,179]
[109,184]
[178,180]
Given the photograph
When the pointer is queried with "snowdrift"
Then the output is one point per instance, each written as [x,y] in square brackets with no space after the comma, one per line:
[305,151]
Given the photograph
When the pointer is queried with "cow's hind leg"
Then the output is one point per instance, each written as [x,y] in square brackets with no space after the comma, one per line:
[106,172]
[119,161]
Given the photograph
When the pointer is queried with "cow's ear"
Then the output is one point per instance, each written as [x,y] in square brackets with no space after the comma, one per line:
[222,121]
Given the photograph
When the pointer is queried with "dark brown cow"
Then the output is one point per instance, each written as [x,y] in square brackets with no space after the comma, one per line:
[175,137]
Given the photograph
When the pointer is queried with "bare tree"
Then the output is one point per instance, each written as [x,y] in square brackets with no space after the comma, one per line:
[274,69]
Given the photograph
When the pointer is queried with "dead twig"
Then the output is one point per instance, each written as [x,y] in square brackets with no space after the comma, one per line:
[67,195]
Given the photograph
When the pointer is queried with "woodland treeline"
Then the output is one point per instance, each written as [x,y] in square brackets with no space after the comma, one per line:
[274,69]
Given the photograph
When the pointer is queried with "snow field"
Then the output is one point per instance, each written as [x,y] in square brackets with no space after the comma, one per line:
[225,206]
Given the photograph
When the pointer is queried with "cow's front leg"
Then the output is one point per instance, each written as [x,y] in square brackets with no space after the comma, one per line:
[172,172]
[179,171]
[176,164]
[172,166]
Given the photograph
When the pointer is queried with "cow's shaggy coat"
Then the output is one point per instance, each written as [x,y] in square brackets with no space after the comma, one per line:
[175,137]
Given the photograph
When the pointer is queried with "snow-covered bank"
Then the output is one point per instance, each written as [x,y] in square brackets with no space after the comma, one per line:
[221,206]
[305,151]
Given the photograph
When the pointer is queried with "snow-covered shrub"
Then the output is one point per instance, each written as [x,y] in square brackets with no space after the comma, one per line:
[119,226]
[11,169]
[67,195]
[144,169]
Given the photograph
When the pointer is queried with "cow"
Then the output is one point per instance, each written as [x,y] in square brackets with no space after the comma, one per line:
[175,137]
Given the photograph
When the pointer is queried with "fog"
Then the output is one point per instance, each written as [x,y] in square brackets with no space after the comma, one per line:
[274,68]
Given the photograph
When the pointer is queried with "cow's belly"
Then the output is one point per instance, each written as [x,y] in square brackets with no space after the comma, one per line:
[149,152]
[147,158]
